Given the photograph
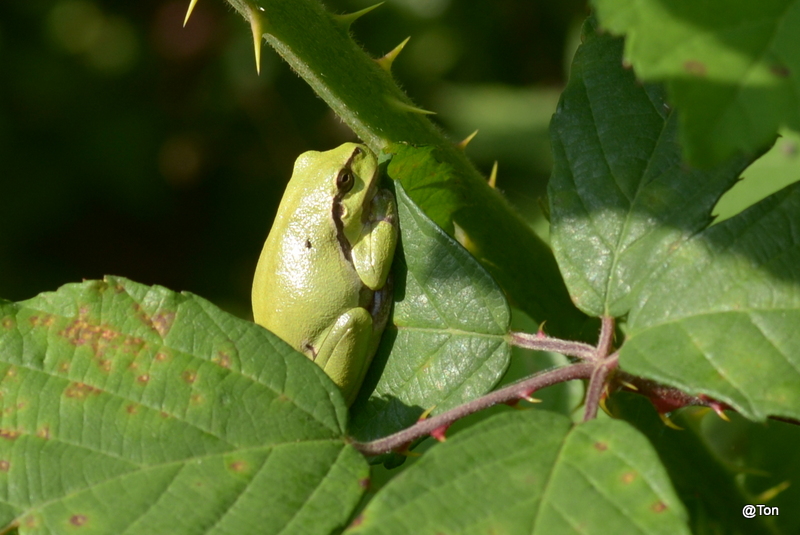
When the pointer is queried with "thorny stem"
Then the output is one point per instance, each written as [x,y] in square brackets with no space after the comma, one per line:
[513,392]
[596,365]
[541,342]
[597,386]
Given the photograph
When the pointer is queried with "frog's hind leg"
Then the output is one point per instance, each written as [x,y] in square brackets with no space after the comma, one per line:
[344,351]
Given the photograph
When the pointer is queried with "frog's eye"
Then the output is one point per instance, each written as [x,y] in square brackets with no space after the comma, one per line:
[345,180]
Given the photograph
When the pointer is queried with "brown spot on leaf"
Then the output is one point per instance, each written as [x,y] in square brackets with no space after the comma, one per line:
[222,359]
[133,365]
[357,521]
[659,507]
[164,414]
[189,376]
[600,446]
[9,434]
[143,379]
[45,320]
[133,344]
[781,71]
[5,466]
[162,322]
[14,408]
[363,483]
[628,477]
[196,399]
[78,520]
[64,367]
[11,372]
[7,323]
[31,521]
[100,337]
[104,365]
[161,356]
[694,67]
[44,433]
[238,466]
[132,408]
[81,391]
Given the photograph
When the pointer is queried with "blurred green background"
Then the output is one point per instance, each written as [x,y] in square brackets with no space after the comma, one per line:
[132,146]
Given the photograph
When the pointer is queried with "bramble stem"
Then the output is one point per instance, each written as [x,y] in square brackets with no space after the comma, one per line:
[596,366]
[511,393]
[541,342]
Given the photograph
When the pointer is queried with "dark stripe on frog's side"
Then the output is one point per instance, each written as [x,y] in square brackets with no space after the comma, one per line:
[336,213]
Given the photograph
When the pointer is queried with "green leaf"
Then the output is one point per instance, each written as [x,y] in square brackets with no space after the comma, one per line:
[722,317]
[531,472]
[707,485]
[479,218]
[620,197]
[446,342]
[134,409]
[730,67]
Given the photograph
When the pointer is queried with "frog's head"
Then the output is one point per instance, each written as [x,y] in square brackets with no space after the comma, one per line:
[353,186]
[342,181]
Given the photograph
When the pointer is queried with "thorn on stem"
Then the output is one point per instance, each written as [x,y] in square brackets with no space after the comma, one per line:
[669,423]
[257,27]
[440,433]
[408,107]
[493,184]
[192,3]
[345,21]
[464,142]
[424,415]
[540,331]
[388,59]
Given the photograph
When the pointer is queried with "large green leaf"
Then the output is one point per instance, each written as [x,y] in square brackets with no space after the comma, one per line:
[730,67]
[531,472]
[620,197]
[709,488]
[446,342]
[722,317]
[134,409]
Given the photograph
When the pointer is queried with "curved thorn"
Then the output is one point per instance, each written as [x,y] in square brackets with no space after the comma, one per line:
[464,142]
[386,61]
[408,107]
[346,20]
[424,415]
[192,3]
[493,175]
[669,423]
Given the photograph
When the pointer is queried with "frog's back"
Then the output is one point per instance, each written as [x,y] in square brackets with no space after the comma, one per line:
[302,264]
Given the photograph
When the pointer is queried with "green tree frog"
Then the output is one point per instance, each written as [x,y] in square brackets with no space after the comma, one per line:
[321,281]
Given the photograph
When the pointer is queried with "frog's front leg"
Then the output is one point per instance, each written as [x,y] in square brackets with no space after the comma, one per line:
[372,254]
[343,352]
